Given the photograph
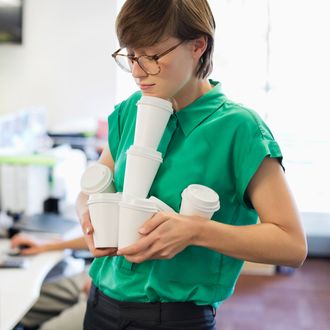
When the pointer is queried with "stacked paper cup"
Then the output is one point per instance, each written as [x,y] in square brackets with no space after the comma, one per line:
[142,163]
[143,159]
[97,178]
[199,200]
[117,217]
[103,204]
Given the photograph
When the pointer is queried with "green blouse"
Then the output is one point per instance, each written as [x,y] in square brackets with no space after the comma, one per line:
[213,142]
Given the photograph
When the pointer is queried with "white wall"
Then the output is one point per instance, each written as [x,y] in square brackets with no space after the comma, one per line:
[65,61]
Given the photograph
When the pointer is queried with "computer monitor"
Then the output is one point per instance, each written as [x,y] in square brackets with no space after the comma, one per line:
[11,21]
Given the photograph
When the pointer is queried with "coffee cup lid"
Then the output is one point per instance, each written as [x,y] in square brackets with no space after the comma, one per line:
[96,178]
[145,152]
[141,204]
[157,102]
[160,204]
[104,198]
[203,197]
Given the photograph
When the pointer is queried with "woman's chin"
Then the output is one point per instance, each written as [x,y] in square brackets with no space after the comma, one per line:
[156,94]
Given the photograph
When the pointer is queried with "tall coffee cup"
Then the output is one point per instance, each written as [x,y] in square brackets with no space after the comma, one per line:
[141,168]
[152,117]
[199,200]
[97,178]
[104,213]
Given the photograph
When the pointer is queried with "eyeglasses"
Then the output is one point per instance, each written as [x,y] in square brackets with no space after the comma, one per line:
[149,64]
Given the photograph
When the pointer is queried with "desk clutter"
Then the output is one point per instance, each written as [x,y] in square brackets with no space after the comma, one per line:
[51,223]
[36,175]
[12,262]
[117,216]
[28,180]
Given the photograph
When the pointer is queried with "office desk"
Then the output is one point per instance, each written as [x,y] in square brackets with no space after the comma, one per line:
[19,288]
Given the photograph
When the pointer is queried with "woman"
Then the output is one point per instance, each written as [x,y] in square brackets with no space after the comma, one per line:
[184,267]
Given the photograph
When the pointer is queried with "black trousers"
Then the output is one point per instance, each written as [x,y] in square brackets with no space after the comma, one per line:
[104,313]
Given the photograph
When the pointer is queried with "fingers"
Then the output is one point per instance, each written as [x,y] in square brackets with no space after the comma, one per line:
[139,252]
[21,240]
[86,224]
[142,249]
[141,245]
[140,257]
[144,242]
[88,231]
[134,249]
[154,222]
[168,234]
[104,252]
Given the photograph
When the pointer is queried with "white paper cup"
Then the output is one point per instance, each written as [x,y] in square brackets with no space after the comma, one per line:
[104,213]
[141,168]
[133,213]
[152,117]
[162,206]
[97,178]
[199,200]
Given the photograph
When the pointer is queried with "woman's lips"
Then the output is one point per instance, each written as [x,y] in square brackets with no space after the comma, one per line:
[145,87]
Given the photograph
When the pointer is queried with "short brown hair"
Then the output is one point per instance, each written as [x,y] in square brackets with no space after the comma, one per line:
[143,23]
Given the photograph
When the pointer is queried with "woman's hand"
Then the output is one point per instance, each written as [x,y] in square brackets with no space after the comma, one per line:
[164,236]
[88,232]
[31,245]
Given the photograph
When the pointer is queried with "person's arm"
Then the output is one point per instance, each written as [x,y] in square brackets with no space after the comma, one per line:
[33,246]
[278,239]
[83,212]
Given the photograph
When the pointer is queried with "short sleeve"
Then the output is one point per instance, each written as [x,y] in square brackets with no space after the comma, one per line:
[254,142]
[114,131]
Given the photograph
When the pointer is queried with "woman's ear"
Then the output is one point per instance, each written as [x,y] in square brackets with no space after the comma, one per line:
[199,47]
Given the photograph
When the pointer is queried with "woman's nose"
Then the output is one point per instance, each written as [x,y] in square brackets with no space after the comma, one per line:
[137,71]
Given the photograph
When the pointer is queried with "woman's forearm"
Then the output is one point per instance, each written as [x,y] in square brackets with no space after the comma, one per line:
[262,243]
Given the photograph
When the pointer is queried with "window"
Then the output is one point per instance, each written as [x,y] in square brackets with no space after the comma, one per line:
[273,56]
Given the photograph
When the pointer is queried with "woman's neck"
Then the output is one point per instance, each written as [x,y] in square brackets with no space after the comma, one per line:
[191,92]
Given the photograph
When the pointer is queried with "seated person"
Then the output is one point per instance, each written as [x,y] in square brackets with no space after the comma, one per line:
[62,303]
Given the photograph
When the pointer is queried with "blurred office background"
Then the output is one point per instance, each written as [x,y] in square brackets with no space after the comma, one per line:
[58,84]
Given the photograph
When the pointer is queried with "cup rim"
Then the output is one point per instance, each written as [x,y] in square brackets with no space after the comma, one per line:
[202,204]
[157,102]
[145,152]
[160,204]
[131,203]
[101,185]
[104,198]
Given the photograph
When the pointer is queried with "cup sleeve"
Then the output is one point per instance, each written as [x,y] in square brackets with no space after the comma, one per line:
[114,131]
[253,147]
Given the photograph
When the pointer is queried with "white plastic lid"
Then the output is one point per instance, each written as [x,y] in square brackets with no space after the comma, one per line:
[140,204]
[96,178]
[157,102]
[145,152]
[160,204]
[202,197]
[104,198]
